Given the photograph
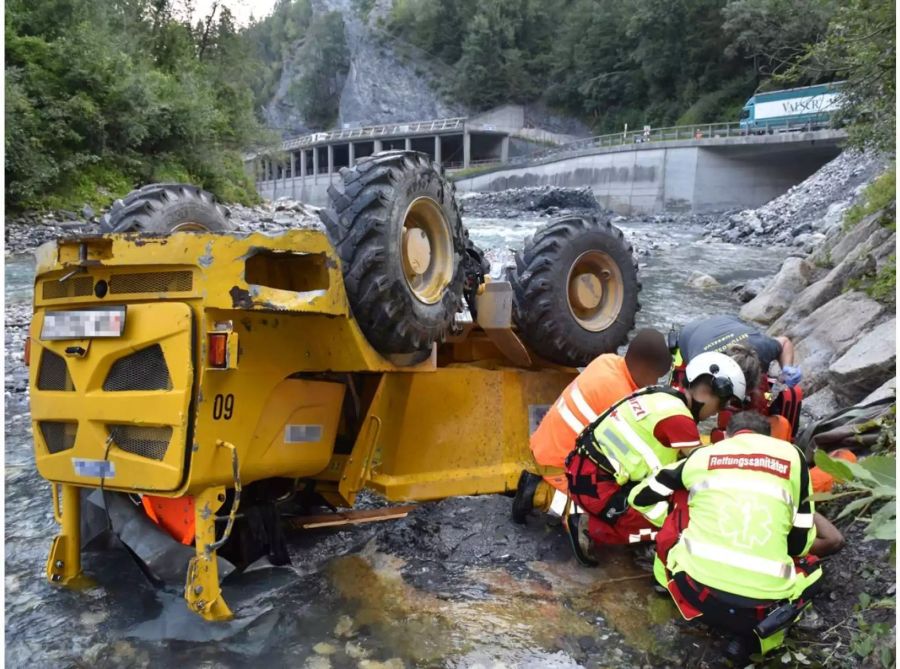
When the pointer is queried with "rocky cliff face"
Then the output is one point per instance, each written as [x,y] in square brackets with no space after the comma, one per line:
[845,340]
[387,82]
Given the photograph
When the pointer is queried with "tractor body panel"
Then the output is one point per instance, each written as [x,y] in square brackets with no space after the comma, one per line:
[456,423]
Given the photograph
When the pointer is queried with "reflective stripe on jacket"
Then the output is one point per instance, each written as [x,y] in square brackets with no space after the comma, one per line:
[626,436]
[602,383]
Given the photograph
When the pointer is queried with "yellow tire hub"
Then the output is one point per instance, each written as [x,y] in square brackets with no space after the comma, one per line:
[595,290]
[426,248]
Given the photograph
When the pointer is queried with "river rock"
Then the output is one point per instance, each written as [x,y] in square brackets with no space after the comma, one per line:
[815,295]
[815,206]
[867,364]
[702,281]
[542,200]
[829,331]
[745,292]
[886,389]
[324,648]
[355,650]
[345,627]
[793,277]
[821,404]
[865,235]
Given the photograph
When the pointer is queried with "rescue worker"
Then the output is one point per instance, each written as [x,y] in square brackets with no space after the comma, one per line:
[716,333]
[729,334]
[631,441]
[607,379]
[731,548]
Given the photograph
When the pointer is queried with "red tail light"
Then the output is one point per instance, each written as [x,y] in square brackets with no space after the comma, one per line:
[218,350]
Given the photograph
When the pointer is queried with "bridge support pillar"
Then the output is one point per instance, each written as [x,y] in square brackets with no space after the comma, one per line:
[303,168]
[330,161]
[351,154]
[467,149]
[376,146]
[293,175]
[315,164]
[437,149]
[504,149]
[407,144]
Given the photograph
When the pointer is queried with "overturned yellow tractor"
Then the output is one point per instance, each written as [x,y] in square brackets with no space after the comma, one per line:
[204,379]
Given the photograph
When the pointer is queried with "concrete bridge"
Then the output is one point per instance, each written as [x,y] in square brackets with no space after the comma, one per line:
[303,167]
[705,168]
[692,169]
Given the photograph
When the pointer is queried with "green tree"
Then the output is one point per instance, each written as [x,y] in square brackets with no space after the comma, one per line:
[102,97]
[774,33]
[860,48]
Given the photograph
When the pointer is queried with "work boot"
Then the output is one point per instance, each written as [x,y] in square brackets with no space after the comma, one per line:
[577,529]
[523,502]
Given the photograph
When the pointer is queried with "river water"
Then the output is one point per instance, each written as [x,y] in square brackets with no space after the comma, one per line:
[453,585]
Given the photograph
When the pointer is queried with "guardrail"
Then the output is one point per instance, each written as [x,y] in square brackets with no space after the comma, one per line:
[375,132]
[680,132]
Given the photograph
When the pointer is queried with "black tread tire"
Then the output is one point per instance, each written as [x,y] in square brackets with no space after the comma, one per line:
[159,208]
[363,223]
[540,294]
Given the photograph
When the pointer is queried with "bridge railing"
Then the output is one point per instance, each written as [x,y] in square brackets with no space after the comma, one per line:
[375,132]
[697,132]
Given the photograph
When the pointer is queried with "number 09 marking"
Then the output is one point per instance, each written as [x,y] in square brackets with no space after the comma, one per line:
[223,407]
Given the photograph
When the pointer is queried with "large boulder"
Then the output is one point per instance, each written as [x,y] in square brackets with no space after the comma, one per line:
[827,288]
[702,281]
[794,275]
[866,365]
[821,404]
[865,235]
[886,389]
[862,251]
[827,333]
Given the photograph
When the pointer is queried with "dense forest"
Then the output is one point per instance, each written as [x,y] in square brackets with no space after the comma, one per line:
[104,95]
[663,62]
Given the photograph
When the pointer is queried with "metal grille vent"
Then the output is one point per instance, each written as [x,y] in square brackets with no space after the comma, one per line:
[58,436]
[152,282]
[144,370]
[53,374]
[78,286]
[148,442]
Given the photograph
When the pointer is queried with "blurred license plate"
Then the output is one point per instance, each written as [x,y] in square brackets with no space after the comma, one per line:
[83,324]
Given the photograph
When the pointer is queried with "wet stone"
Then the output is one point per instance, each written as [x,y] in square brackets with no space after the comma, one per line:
[344,627]
[355,650]
[323,648]
[317,662]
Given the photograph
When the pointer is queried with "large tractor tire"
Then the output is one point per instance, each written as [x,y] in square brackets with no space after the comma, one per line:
[404,251]
[167,208]
[575,290]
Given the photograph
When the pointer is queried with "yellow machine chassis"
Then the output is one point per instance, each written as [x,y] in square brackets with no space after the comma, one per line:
[297,365]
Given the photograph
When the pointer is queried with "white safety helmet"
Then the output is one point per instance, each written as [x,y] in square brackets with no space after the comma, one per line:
[727,378]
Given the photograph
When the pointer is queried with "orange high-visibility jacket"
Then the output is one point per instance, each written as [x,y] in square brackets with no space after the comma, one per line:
[602,383]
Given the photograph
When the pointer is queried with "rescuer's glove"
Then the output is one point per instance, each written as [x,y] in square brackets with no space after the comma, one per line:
[791,375]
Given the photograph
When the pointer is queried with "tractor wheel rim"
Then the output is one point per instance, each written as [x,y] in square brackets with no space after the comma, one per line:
[595,290]
[190,226]
[426,250]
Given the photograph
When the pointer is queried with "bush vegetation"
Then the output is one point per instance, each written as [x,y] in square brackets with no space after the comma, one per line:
[879,195]
[103,96]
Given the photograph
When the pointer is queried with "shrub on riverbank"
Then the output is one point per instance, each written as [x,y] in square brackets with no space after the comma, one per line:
[878,195]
